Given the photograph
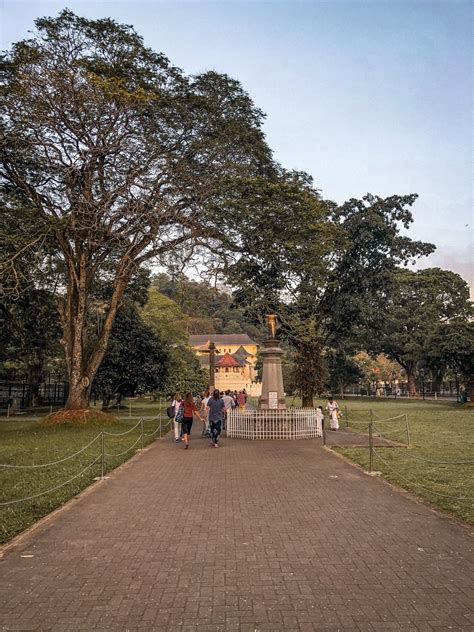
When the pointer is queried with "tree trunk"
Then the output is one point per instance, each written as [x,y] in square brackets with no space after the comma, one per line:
[411,381]
[470,390]
[437,375]
[307,401]
[79,395]
[83,366]
[35,372]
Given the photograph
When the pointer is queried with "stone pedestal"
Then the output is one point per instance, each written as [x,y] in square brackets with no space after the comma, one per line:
[273,394]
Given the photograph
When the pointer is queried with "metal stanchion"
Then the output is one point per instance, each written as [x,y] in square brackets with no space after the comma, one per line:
[143,433]
[102,456]
[324,431]
[408,431]
[371,447]
[8,411]
[347,416]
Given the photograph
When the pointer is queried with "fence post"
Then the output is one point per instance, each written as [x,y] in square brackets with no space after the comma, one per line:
[130,408]
[8,411]
[160,427]
[371,415]
[102,456]
[143,433]
[347,416]
[324,431]
[371,448]
[408,431]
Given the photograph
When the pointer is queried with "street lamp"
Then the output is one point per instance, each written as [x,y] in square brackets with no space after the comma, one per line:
[212,364]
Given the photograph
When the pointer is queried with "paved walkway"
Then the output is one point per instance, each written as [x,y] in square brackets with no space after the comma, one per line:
[253,536]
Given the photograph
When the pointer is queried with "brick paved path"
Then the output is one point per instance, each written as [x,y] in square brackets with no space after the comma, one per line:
[254,536]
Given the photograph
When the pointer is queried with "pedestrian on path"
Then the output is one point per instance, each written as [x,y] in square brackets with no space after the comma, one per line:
[190,409]
[229,404]
[241,400]
[333,410]
[206,430]
[319,419]
[215,408]
[177,402]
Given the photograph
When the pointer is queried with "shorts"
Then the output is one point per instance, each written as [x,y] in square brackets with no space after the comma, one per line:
[186,425]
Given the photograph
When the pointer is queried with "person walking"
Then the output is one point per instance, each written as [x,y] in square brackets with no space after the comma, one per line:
[319,419]
[229,405]
[215,408]
[333,410]
[206,430]
[241,400]
[177,403]
[190,409]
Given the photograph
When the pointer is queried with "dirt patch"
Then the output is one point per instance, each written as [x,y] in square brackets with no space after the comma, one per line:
[87,416]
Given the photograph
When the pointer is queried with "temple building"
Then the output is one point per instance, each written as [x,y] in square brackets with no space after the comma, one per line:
[235,359]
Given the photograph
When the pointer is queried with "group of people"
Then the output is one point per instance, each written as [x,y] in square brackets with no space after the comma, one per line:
[210,409]
[334,412]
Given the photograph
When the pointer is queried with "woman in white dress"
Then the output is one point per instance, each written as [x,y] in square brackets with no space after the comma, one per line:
[177,401]
[333,410]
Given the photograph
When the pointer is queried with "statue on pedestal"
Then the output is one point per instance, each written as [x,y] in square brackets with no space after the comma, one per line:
[271,324]
[273,395]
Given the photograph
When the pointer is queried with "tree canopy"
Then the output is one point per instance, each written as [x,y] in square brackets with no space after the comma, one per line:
[115,157]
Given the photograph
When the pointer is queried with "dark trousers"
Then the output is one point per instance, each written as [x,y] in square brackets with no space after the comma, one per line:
[216,427]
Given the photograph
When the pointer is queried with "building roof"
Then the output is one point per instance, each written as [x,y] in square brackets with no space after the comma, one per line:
[227,361]
[220,339]
[241,353]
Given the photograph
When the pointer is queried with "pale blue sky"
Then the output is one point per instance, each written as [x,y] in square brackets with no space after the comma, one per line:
[364,95]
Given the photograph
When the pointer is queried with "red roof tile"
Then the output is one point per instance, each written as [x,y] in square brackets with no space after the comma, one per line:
[227,360]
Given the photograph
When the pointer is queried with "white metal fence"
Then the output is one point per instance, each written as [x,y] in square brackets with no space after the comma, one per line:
[290,423]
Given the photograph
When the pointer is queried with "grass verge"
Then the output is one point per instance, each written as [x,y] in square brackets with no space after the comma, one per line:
[33,442]
[434,468]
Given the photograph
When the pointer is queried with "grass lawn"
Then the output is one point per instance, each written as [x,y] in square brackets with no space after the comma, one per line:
[29,442]
[440,431]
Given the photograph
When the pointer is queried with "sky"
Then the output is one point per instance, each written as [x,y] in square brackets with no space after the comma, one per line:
[365,95]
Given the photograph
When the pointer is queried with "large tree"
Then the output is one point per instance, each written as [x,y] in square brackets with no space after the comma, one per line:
[115,157]
[325,270]
[418,304]
[452,344]
[136,359]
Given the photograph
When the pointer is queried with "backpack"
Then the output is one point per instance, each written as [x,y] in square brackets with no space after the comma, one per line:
[170,411]
[180,414]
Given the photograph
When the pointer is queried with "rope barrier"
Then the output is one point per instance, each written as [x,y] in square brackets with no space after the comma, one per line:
[121,434]
[437,462]
[67,458]
[394,432]
[431,491]
[390,418]
[160,427]
[20,500]
[125,451]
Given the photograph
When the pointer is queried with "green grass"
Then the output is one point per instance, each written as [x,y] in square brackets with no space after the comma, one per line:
[30,442]
[136,406]
[440,431]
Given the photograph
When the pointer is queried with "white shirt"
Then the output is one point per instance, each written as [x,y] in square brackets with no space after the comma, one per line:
[228,402]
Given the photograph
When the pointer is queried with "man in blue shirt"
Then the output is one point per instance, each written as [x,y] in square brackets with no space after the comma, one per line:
[215,407]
